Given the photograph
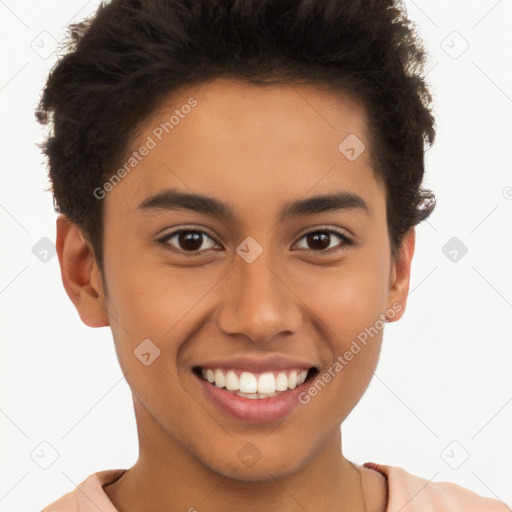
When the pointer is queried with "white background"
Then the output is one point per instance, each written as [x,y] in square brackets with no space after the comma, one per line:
[445,371]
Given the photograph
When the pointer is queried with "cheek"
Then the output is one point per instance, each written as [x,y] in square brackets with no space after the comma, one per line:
[347,298]
[158,298]
[148,308]
[152,300]
[349,304]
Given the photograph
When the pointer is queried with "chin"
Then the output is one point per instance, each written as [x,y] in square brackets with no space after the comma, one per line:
[266,467]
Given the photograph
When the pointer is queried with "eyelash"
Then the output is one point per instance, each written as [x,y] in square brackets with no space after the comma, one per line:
[346,240]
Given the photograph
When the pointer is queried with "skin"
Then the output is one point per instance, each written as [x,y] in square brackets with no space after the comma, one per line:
[256,148]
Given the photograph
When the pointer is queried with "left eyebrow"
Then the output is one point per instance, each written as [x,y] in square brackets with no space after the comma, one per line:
[173,200]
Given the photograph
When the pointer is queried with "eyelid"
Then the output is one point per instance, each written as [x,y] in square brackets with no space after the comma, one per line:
[194,227]
[332,229]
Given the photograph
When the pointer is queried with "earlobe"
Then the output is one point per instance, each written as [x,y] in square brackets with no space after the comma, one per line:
[80,274]
[400,276]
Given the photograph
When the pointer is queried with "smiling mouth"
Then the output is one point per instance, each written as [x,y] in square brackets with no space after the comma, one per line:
[256,385]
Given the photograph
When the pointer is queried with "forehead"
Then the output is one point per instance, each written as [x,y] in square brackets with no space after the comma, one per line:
[250,144]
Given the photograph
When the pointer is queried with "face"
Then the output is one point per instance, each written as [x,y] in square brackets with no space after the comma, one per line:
[263,277]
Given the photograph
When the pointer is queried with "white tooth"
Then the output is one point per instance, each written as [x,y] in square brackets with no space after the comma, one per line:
[247,395]
[266,383]
[267,395]
[232,381]
[292,379]
[302,377]
[281,382]
[210,375]
[248,383]
[220,379]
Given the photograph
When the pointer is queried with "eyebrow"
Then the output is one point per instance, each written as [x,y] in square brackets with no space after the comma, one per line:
[173,200]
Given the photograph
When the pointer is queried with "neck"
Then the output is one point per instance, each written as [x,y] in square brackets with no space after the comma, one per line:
[167,476]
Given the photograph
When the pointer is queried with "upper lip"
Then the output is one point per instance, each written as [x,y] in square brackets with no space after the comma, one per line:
[257,364]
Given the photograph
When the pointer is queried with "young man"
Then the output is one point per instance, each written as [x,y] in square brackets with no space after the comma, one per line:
[239,183]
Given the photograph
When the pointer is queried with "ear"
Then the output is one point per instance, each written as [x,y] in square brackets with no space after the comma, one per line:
[400,276]
[80,273]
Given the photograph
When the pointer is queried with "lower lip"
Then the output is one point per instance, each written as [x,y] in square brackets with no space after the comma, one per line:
[258,410]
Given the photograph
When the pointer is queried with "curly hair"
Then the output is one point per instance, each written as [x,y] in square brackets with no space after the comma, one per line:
[119,63]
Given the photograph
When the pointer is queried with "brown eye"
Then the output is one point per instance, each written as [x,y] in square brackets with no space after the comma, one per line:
[188,240]
[321,240]
[318,240]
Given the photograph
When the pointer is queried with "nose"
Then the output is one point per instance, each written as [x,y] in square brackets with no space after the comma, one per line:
[259,302]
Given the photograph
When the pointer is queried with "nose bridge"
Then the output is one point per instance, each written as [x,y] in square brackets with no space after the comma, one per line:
[258,304]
